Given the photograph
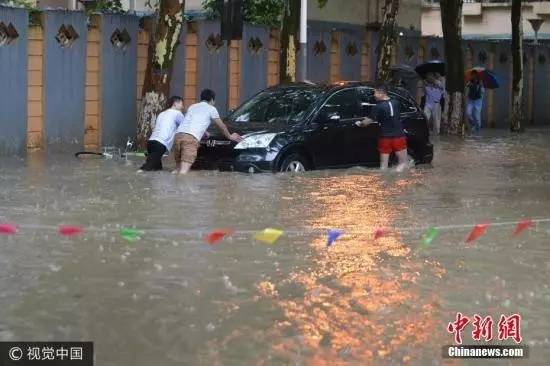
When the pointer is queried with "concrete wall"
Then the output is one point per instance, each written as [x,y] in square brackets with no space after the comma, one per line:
[64,70]
[13,78]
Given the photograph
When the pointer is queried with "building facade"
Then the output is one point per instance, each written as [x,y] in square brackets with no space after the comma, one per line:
[488,19]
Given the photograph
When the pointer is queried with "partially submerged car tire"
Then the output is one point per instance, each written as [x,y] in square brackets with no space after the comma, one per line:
[295,163]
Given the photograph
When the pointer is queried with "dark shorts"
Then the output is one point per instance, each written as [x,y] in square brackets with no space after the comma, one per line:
[155,151]
[387,145]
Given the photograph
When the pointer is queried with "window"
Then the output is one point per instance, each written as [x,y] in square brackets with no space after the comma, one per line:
[366,101]
[405,104]
[344,103]
[284,105]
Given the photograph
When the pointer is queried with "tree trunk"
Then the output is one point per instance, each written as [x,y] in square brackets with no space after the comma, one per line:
[451,20]
[289,40]
[162,50]
[517,61]
[387,39]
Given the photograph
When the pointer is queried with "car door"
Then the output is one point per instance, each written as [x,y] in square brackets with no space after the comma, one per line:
[364,140]
[332,128]
[414,123]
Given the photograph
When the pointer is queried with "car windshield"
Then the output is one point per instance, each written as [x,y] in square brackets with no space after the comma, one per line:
[288,105]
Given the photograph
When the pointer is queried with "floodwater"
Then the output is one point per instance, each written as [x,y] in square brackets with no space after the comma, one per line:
[171,299]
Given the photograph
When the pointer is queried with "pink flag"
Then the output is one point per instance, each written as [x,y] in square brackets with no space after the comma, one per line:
[380,232]
[8,229]
[217,235]
[478,231]
[523,225]
[68,230]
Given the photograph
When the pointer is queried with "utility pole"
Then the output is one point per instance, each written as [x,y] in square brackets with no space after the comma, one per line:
[302,54]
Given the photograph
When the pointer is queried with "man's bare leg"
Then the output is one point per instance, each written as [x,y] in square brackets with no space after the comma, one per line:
[402,158]
[384,161]
[177,170]
[184,168]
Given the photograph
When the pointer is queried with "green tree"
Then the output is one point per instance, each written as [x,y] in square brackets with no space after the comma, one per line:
[451,20]
[387,39]
[284,14]
[165,35]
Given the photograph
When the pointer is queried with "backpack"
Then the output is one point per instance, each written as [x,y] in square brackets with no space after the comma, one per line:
[474,92]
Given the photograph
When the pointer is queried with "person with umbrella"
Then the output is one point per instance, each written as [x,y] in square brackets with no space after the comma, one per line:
[432,74]
[474,103]
[433,93]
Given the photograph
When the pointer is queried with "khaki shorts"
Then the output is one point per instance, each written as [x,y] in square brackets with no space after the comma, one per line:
[185,148]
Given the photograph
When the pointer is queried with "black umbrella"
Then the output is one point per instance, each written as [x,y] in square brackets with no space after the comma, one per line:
[430,66]
[405,71]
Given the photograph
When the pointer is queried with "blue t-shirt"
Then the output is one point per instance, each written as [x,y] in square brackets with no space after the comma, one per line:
[386,113]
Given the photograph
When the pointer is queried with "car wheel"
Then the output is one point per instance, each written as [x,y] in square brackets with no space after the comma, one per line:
[295,163]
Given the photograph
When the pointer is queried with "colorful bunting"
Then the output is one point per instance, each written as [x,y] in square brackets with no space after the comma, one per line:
[67,230]
[8,229]
[217,235]
[523,225]
[380,232]
[269,235]
[333,235]
[429,236]
[478,231]
[131,235]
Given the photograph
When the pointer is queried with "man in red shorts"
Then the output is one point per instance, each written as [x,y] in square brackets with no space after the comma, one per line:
[392,137]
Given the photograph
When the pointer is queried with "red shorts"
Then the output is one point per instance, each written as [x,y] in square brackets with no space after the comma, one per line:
[387,145]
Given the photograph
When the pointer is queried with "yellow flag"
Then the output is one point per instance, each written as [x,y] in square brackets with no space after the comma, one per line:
[269,235]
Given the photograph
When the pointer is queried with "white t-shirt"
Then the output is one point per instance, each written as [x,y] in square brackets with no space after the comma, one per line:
[198,119]
[165,127]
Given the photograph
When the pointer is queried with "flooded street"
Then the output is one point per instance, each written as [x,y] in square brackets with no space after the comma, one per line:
[171,299]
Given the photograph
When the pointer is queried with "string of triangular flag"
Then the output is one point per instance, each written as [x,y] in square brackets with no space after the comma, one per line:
[271,235]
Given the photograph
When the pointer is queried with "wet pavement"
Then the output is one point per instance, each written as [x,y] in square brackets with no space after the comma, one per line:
[171,299]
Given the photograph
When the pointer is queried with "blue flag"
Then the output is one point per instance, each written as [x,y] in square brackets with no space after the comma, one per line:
[333,235]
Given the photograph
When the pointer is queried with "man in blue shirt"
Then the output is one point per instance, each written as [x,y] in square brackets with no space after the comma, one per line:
[475,101]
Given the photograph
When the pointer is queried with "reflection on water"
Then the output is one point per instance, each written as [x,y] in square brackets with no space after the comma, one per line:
[356,307]
[170,299]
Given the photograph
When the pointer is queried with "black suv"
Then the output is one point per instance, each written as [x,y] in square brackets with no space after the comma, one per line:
[300,127]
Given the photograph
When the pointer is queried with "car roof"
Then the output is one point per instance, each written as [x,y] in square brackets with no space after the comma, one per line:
[337,86]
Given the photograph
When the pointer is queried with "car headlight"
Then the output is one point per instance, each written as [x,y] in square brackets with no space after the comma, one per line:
[256,141]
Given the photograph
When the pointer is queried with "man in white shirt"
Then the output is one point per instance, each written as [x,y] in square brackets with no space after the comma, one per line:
[163,134]
[192,129]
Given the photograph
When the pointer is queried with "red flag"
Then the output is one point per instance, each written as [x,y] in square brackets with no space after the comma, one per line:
[68,230]
[380,232]
[523,225]
[217,235]
[8,229]
[478,231]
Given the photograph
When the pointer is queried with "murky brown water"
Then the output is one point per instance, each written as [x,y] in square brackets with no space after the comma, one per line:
[170,299]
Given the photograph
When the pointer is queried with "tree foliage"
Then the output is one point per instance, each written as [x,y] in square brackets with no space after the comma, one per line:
[263,12]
